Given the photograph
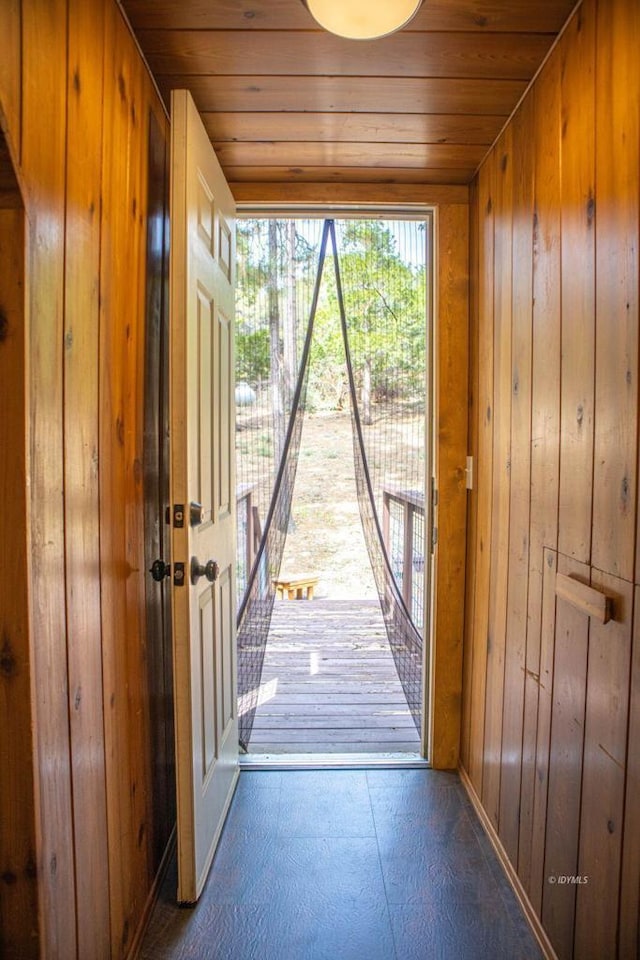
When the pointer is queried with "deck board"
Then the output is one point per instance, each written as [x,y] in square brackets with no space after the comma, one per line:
[329,683]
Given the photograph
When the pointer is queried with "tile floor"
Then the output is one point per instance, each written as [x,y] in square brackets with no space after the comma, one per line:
[347,865]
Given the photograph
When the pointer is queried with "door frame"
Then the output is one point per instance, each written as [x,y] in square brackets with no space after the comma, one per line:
[434,719]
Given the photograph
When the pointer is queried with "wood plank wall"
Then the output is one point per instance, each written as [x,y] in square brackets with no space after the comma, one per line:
[18,889]
[75,103]
[551,696]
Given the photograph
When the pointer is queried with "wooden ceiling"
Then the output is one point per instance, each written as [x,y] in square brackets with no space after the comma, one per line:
[286,101]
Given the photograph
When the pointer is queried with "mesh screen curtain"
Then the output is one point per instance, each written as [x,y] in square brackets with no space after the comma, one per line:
[354,333]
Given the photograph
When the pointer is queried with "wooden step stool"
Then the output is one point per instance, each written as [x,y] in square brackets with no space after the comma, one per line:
[295,586]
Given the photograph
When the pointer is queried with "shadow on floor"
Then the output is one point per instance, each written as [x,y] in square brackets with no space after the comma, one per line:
[347,865]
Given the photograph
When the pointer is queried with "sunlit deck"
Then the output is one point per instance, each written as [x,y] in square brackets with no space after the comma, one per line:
[329,683]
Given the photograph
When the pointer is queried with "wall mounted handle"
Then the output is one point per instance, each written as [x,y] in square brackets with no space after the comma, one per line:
[585,598]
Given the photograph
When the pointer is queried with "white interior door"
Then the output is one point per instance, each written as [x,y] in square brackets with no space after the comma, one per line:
[202,493]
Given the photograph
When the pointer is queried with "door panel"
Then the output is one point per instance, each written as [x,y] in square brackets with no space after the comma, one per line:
[202,473]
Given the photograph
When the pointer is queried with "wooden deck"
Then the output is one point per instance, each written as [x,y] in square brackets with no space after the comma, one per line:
[329,683]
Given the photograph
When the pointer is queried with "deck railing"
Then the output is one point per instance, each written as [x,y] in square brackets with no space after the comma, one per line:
[403,529]
[249,534]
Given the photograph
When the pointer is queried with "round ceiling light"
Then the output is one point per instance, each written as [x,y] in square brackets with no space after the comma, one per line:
[362,19]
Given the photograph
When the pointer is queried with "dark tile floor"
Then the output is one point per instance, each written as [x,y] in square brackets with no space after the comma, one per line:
[347,865]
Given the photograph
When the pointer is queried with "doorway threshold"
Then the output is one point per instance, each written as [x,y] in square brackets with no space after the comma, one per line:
[325,761]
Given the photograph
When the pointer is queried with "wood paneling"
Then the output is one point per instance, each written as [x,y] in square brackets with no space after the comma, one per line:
[281,92]
[501,420]
[545,466]
[617,201]
[346,127]
[415,155]
[603,777]
[630,877]
[75,99]
[452,338]
[18,898]
[126,695]
[81,497]
[565,764]
[44,37]
[519,477]
[290,176]
[578,285]
[501,56]
[10,73]
[483,456]
[567,806]
[472,503]
[479,15]
[275,94]
[341,193]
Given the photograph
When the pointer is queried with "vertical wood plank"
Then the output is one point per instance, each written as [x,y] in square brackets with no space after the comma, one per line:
[141,801]
[452,337]
[630,876]
[543,734]
[11,74]
[617,225]
[130,803]
[520,475]
[82,263]
[603,782]
[565,766]
[545,426]
[43,160]
[503,240]
[484,467]
[18,903]
[472,498]
[117,273]
[578,283]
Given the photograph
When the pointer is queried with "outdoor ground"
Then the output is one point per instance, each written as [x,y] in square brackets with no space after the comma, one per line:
[326,533]
[325,537]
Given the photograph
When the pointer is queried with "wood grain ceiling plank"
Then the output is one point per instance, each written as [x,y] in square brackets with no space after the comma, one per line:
[309,192]
[544,16]
[494,55]
[373,155]
[484,97]
[388,175]
[363,127]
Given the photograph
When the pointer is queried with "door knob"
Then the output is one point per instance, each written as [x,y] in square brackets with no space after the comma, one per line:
[159,570]
[210,570]
[196,513]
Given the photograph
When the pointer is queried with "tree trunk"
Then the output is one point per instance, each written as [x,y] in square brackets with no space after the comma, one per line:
[366,392]
[290,321]
[275,351]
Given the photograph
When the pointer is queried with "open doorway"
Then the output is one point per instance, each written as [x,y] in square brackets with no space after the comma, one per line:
[332,447]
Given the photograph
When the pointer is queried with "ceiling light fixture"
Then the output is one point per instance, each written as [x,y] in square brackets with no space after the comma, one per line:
[362,19]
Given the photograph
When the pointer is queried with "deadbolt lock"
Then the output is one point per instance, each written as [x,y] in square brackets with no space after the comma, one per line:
[159,570]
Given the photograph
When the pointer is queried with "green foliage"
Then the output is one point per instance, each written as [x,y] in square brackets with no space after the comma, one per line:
[252,355]
[384,291]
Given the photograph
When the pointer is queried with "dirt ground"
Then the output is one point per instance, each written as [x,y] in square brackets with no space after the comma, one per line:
[326,536]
